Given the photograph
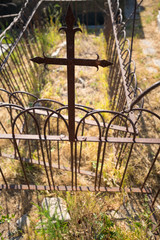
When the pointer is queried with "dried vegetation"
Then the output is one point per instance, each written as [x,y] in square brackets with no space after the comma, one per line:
[89,219]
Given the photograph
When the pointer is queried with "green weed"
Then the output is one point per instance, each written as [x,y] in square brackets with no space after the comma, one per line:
[50,227]
[104,227]
[5,218]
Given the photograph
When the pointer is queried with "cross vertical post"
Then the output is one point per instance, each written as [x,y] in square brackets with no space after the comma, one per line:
[70,33]
[71,84]
[71,62]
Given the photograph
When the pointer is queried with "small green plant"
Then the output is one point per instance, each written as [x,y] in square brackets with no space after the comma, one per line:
[104,228]
[50,227]
[5,218]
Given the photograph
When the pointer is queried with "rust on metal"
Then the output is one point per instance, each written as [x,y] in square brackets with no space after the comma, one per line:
[143,94]
[82,139]
[71,62]
[69,188]
[77,62]
[120,131]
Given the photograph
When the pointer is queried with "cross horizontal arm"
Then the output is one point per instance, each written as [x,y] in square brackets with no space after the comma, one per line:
[47,60]
[91,62]
[75,61]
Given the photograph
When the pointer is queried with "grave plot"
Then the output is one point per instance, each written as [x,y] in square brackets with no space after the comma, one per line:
[77,129]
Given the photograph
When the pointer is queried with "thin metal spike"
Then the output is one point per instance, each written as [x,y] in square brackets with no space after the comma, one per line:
[38,60]
[70,19]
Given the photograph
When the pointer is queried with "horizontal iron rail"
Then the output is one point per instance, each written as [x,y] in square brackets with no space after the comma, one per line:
[32,161]
[78,188]
[82,139]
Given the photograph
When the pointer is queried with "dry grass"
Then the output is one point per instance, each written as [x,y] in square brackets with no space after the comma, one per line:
[147,74]
[89,83]
[84,206]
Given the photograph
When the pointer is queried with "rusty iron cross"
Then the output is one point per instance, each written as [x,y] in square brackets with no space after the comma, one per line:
[71,62]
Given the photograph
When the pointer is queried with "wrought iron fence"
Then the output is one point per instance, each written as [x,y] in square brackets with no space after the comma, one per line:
[39,135]
[122,76]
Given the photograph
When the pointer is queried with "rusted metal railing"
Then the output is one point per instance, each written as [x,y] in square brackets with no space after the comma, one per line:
[122,76]
[54,136]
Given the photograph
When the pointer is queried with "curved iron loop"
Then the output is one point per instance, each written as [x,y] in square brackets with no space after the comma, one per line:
[143,94]
[62,29]
[11,105]
[45,67]
[121,36]
[76,107]
[119,17]
[145,110]
[3,90]
[82,108]
[127,51]
[47,123]
[3,49]
[29,111]
[46,100]
[127,118]
[50,115]
[115,7]
[122,45]
[92,109]
[13,94]
[132,76]
[121,27]
[83,119]
[141,110]
[10,108]
[140,107]
[106,111]
[127,66]
[77,29]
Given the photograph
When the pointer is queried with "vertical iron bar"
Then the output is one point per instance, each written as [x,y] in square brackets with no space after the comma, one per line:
[72,178]
[155,198]
[70,74]
[80,154]
[100,177]
[120,152]
[126,165]
[76,165]
[50,163]
[97,165]
[58,143]
[151,168]
[4,179]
